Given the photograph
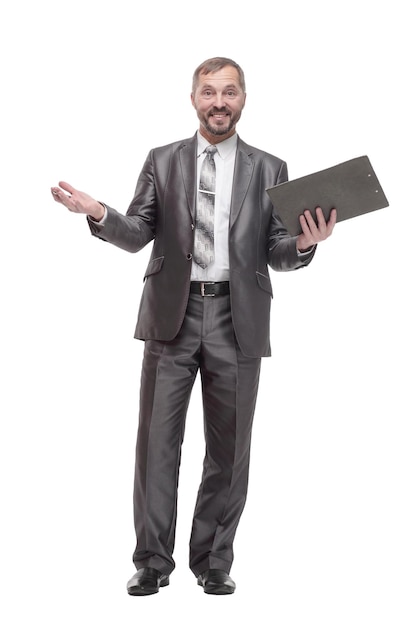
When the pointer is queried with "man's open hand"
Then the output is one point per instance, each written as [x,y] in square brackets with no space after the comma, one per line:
[77,201]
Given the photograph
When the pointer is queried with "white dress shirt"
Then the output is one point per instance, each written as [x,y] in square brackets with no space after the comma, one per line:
[224,160]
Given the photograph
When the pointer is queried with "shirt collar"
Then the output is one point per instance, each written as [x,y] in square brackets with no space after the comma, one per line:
[224,148]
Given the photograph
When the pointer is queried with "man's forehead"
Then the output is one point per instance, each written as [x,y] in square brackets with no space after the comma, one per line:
[228,74]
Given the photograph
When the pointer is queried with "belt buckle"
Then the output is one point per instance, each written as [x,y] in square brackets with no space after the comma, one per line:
[203,290]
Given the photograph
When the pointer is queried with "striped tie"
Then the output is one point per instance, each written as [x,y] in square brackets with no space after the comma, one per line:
[204,232]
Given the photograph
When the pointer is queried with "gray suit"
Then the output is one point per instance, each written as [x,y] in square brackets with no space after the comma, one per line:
[170,321]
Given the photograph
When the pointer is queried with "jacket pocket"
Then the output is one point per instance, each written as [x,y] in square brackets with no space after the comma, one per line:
[154,266]
[264,282]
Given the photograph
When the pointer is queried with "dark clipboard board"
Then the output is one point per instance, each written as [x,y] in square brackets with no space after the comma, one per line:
[352,188]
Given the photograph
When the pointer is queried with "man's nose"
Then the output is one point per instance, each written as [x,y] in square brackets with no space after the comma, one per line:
[219,101]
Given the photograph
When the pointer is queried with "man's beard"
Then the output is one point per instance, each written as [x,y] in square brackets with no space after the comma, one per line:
[220,130]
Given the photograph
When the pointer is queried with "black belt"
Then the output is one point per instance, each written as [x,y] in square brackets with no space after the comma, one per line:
[210,289]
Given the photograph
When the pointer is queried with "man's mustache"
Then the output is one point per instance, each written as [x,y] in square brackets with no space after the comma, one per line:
[215,111]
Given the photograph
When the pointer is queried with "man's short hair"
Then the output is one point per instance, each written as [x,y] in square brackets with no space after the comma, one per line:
[214,65]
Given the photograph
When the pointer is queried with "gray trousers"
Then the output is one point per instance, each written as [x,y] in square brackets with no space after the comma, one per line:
[206,342]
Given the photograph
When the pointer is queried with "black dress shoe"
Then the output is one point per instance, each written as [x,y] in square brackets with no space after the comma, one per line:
[217,582]
[146,581]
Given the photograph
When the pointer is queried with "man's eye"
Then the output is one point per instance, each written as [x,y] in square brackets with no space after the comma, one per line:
[231,94]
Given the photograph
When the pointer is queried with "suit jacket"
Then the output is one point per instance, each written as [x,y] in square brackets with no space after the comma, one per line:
[163,210]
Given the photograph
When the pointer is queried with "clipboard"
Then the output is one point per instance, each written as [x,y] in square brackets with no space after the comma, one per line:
[352,188]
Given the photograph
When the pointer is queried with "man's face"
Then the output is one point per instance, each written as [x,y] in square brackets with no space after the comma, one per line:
[218,100]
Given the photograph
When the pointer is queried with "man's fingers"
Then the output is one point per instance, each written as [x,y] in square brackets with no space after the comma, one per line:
[333,218]
[315,229]
[59,196]
[321,222]
[66,187]
[310,221]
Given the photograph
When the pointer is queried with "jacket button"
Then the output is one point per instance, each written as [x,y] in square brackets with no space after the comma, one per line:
[189,256]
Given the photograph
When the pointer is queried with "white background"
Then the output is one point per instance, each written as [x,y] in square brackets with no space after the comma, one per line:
[328,535]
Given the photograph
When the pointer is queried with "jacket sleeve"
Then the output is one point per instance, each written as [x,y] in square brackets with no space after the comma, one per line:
[132,231]
[283,255]
[282,247]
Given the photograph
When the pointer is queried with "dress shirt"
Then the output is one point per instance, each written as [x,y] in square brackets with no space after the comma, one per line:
[224,159]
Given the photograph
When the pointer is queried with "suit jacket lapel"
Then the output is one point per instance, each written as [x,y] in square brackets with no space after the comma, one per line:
[188,157]
[242,177]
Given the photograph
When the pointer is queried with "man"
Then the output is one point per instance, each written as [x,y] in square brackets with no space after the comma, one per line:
[205,307]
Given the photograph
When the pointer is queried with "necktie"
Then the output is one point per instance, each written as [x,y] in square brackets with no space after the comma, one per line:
[204,233]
